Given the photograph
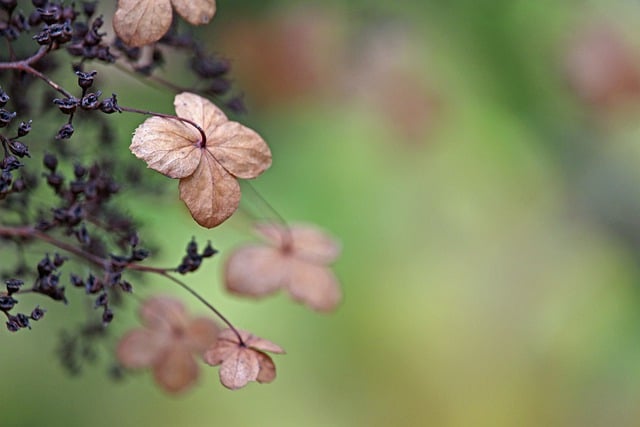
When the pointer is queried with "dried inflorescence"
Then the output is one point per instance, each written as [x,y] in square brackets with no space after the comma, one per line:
[207,159]
[63,227]
[294,258]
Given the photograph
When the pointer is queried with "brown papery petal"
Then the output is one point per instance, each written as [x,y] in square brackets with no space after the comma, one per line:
[195,12]
[267,368]
[240,368]
[140,348]
[221,350]
[167,146]
[240,150]
[163,313]
[263,344]
[140,22]
[201,333]
[211,194]
[199,110]
[313,285]
[255,271]
[176,370]
[308,241]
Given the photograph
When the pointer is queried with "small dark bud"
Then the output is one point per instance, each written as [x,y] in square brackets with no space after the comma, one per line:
[134,240]
[50,162]
[6,117]
[45,266]
[55,180]
[12,324]
[236,104]
[107,316]
[77,281]
[37,313]
[65,131]
[66,105]
[110,105]
[126,286]
[90,101]
[58,260]
[13,285]
[89,8]
[4,98]
[51,14]
[219,86]
[7,302]
[24,128]
[85,80]
[10,163]
[23,320]
[209,251]
[192,248]
[139,254]
[43,37]
[79,171]
[18,148]
[102,300]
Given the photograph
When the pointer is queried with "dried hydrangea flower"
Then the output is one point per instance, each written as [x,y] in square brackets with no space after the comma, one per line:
[294,258]
[167,343]
[242,362]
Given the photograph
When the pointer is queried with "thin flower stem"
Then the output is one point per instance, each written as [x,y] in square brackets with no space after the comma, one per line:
[287,238]
[205,302]
[26,65]
[30,232]
[203,140]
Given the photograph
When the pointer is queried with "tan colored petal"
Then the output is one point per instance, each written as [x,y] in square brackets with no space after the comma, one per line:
[140,22]
[195,12]
[200,334]
[167,146]
[163,313]
[140,348]
[267,368]
[211,194]
[199,110]
[255,271]
[240,368]
[176,371]
[240,150]
[263,345]
[307,241]
[219,352]
[313,285]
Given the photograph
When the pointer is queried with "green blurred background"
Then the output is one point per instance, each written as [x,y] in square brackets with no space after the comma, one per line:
[479,162]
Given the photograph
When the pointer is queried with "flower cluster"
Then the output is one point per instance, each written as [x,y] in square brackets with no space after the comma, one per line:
[64,227]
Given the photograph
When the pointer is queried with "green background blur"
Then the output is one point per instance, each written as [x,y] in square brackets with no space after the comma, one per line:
[478,160]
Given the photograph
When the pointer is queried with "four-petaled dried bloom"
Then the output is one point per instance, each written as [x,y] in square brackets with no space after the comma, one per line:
[207,169]
[141,22]
[242,362]
[168,343]
[295,258]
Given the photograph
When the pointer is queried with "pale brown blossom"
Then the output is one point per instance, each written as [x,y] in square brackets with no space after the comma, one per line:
[167,343]
[141,22]
[207,172]
[242,362]
[294,258]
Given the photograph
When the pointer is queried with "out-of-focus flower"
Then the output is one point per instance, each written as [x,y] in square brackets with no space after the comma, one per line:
[242,362]
[602,68]
[168,343]
[295,258]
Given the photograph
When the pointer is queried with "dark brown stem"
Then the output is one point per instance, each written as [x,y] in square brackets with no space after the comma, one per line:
[26,65]
[32,233]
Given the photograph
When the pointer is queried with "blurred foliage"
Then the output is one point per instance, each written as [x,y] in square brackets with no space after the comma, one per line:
[488,200]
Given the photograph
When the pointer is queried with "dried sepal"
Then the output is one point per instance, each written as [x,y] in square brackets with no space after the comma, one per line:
[167,343]
[294,258]
[207,172]
[141,22]
[242,362]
